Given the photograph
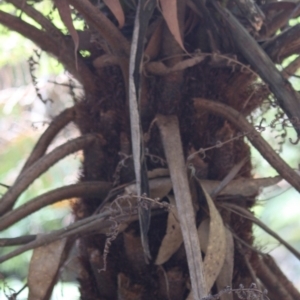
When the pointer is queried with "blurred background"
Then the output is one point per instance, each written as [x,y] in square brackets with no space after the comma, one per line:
[24,117]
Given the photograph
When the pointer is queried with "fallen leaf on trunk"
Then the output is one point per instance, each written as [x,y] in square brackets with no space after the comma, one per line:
[213,243]
[216,247]
[173,237]
[43,269]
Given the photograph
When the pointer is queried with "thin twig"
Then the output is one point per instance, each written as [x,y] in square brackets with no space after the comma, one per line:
[78,227]
[5,185]
[47,43]
[143,14]
[93,224]
[249,266]
[39,37]
[49,27]
[254,137]
[92,189]
[55,126]
[241,241]
[41,166]
[244,187]
[21,240]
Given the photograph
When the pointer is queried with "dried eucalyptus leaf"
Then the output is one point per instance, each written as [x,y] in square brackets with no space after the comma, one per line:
[173,238]
[216,247]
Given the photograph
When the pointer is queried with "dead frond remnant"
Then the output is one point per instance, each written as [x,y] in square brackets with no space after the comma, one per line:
[172,89]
